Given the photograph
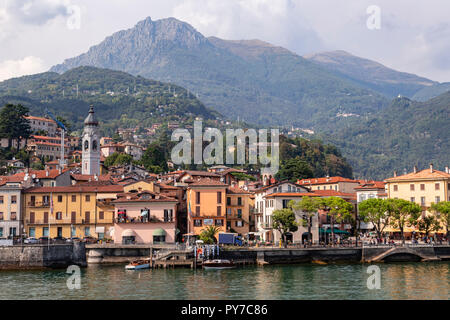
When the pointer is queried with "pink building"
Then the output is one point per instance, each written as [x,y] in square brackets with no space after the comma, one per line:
[145,217]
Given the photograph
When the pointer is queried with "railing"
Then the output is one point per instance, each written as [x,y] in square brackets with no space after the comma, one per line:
[63,221]
[152,219]
[39,204]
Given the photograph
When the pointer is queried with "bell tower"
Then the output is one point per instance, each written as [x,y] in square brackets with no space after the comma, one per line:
[90,144]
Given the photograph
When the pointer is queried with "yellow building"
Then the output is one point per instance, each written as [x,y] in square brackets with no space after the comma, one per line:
[423,187]
[206,200]
[238,210]
[73,211]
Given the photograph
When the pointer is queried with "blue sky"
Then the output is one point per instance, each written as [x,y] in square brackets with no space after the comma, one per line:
[414,35]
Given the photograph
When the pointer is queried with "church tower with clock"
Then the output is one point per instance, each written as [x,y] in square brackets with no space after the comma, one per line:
[90,144]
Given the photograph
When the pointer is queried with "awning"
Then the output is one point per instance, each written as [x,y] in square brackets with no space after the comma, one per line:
[128,233]
[336,231]
[159,232]
[100,230]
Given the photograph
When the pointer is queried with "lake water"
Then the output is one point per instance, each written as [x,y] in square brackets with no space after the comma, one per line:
[307,281]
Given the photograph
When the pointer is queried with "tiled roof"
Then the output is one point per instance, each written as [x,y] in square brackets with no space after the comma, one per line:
[371,185]
[77,188]
[292,194]
[201,173]
[324,180]
[90,177]
[138,197]
[332,193]
[425,174]
[39,118]
[39,174]
[207,183]
[237,190]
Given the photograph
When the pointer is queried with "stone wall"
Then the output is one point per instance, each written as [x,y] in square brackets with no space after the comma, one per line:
[42,256]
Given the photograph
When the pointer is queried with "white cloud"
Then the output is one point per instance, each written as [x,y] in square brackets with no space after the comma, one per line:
[36,12]
[16,68]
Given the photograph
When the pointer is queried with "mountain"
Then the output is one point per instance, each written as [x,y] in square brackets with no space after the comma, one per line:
[371,74]
[405,134]
[428,93]
[120,99]
[249,79]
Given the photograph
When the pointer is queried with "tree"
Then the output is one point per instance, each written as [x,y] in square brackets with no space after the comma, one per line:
[154,156]
[111,159]
[338,210]
[308,207]
[375,211]
[13,124]
[284,221]
[442,210]
[428,224]
[208,235]
[294,169]
[403,213]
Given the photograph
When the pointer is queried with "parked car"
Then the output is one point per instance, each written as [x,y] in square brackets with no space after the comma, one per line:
[43,239]
[89,240]
[74,239]
[31,240]
[59,240]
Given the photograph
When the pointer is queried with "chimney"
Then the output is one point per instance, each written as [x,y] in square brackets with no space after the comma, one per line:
[415,169]
[46,172]
[395,173]
[431,167]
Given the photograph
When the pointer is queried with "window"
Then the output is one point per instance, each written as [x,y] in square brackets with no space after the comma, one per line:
[197,210]
[239,201]
[74,198]
[411,187]
[422,201]
[13,199]
[87,217]
[413,199]
[239,223]
[88,198]
[285,203]
[219,211]
[73,232]
[59,216]
[228,201]
[335,187]
[101,215]
[197,197]
[197,222]
[59,232]
[1,199]
[318,188]
[239,212]
[13,216]
[12,231]
[219,222]
[1,215]
[159,239]
[87,231]
[45,231]
[86,145]
[168,215]
[32,232]
[395,187]
[219,197]
[94,145]
[228,211]
[437,186]
[422,187]
[438,199]
[59,198]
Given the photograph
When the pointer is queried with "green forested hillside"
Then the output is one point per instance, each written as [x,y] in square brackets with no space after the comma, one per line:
[405,134]
[120,99]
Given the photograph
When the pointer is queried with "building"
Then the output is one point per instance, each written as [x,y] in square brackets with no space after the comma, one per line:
[238,210]
[340,184]
[265,204]
[11,210]
[145,217]
[90,144]
[422,187]
[73,211]
[109,149]
[206,200]
[133,150]
[39,124]
[44,178]
[370,190]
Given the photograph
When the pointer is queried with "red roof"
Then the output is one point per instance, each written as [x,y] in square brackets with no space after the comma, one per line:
[39,174]
[325,180]
[292,194]
[371,185]
[332,193]
[237,190]
[207,183]
[77,188]
[91,177]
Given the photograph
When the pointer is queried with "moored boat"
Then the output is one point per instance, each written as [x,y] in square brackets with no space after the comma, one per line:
[138,264]
[218,264]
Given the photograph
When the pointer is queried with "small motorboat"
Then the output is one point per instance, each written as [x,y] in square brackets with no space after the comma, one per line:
[138,264]
[218,264]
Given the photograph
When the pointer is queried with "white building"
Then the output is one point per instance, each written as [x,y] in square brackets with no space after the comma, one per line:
[274,197]
[370,190]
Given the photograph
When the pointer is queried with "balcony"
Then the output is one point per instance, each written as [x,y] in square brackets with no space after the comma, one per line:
[152,219]
[267,226]
[39,204]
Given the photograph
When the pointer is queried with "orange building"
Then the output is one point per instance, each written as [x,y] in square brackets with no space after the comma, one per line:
[206,201]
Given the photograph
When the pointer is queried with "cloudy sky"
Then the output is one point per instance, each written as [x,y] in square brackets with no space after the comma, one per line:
[414,35]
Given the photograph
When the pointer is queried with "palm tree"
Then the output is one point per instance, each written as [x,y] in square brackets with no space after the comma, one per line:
[208,235]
